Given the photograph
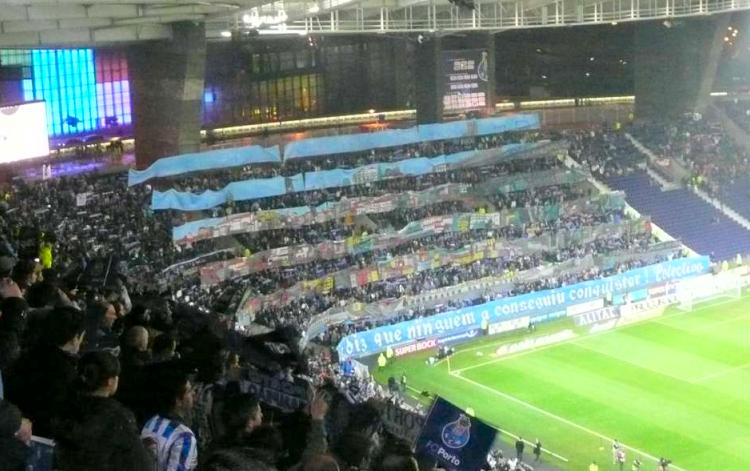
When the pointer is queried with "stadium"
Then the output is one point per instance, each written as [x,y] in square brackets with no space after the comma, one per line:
[404,235]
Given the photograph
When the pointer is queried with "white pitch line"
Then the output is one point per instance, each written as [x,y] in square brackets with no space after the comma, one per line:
[710,326]
[545,347]
[720,373]
[630,362]
[560,419]
[518,354]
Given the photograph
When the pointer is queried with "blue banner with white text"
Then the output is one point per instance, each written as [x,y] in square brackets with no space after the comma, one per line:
[531,304]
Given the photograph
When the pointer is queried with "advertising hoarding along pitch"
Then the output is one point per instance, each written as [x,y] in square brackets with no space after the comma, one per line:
[531,304]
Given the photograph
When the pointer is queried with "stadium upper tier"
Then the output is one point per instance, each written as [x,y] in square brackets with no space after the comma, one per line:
[31,23]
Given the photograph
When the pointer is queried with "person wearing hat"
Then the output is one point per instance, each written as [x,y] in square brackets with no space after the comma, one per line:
[15,435]
[8,287]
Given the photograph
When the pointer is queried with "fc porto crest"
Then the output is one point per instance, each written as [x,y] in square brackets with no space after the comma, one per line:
[457,434]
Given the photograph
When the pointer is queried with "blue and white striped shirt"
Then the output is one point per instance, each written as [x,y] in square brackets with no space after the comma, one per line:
[172,443]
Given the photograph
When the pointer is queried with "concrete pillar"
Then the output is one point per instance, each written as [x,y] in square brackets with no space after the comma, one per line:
[675,64]
[167,81]
[428,82]
[403,72]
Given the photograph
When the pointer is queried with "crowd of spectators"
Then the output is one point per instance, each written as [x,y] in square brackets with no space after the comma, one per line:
[127,366]
[604,154]
[739,112]
[219,179]
[701,145]
[383,187]
[298,312]
[89,218]
[130,382]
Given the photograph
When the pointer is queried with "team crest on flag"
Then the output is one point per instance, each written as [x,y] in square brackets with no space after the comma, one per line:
[457,434]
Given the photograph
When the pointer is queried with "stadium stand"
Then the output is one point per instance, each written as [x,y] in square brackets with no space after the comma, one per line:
[191,311]
[679,212]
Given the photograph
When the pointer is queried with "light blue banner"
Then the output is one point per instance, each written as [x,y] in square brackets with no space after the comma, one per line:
[397,137]
[236,191]
[532,304]
[205,161]
[265,187]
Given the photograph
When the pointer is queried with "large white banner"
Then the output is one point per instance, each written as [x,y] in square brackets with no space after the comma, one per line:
[23,132]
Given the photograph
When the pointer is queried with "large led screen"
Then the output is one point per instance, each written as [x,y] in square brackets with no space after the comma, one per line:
[23,132]
[466,80]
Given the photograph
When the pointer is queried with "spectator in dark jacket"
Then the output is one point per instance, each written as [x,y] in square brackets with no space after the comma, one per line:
[233,460]
[99,327]
[12,325]
[15,434]
[322,462]
[240,415]
[164,348]
[354,450]
[25,274]
[8,287]
[134,345]
[395,455]
[96,433]
[134,358]
[39,382]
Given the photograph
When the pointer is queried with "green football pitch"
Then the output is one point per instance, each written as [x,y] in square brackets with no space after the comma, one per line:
[676,386]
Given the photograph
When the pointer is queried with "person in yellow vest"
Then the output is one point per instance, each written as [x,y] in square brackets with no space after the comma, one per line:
[382,361]
[45,254]
[593,466]
[247,252]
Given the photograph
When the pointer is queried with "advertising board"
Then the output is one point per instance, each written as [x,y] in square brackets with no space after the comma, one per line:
[531,304]
[508,326]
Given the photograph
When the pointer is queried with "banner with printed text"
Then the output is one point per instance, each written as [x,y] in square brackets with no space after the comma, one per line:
[460,320]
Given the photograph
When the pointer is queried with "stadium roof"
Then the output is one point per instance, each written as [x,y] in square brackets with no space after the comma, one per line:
[33,23]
